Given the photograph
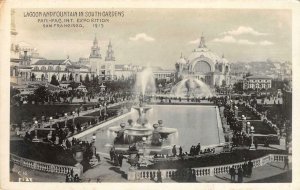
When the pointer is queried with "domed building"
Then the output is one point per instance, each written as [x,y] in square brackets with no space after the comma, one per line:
[204,65]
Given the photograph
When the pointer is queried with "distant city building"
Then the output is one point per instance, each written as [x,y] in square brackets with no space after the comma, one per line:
[123,72]
[43,70]
[204,65]
[163,74]
[22,55]
[257,82]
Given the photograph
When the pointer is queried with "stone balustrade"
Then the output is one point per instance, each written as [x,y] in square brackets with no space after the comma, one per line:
[136,174]
[42,166]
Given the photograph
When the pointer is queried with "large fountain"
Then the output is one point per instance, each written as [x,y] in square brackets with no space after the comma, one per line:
[151,136]
[191,87]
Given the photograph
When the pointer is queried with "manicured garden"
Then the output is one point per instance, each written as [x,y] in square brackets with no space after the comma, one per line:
[214,160]
[261,128]
[243,110]
[27,112]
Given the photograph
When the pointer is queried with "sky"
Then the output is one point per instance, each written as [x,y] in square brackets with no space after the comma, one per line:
[157,37]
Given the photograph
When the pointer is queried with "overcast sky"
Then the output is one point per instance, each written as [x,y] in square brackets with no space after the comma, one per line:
[158,36]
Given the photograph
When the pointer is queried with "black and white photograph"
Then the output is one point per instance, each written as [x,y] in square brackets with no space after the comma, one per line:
[150,95]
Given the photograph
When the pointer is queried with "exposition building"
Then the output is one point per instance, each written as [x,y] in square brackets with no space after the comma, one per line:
[205,65]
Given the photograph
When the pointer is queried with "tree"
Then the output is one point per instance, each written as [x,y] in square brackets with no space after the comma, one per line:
[238,86]
[71,77]
[87,79]
[54,81]
[248,74]
[223,83]
[32,77]
[63,78]
[41,94]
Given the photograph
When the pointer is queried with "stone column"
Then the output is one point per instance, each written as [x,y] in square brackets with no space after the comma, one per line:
[131,176]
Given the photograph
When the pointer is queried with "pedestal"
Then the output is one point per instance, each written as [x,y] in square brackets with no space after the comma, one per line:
[94,162]
[131,174]
[78,169]
[35,139]
[252,147]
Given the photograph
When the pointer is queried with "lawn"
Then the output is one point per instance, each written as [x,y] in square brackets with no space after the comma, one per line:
[213,160]
[27,112]
[262,128]
[247,112]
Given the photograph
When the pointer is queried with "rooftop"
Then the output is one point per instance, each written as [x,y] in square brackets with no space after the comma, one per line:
[258,77]
[52,62]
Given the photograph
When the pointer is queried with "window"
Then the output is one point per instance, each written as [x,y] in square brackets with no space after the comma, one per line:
[58,68]
[43,68]
[50,68]
[36,68]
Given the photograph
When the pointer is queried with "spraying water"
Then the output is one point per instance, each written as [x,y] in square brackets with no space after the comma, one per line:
[145,83]
[191,87]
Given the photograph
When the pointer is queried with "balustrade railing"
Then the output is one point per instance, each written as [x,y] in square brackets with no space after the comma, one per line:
[41,166]
[210,171]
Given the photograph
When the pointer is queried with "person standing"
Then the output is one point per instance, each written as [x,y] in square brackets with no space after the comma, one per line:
[120,159]
[111,154]
[180,151]
[286,162]
[232,174]
[174,150]
[198,148]
[159,179]
[250,167]
[240,175]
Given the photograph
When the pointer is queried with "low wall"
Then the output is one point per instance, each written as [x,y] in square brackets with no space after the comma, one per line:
[99,126]
[43,166]
[204,171]
[220,126]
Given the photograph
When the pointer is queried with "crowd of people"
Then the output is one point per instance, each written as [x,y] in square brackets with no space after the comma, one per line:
[243,171]
[185,175]
[70,177]
[116,158]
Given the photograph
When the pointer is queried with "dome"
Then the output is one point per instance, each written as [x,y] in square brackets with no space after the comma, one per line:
[205,53]
[223,60]
[182,60]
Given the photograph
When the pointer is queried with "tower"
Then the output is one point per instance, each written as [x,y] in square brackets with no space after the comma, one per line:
[202,42]
[95,57]
[14,49]
[110,62]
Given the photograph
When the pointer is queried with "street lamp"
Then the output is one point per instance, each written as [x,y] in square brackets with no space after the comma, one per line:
[100,110]
[66,119]
[252,147]
[73,114]
[236,109]
[50,133]
[35,139]
[248,127]
[74,127]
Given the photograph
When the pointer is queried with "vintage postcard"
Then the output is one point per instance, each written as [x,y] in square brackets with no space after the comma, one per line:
[153,93]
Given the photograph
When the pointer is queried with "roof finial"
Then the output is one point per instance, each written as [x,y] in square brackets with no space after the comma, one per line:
[181,55]
[95,39]
[223,55]
[202,42]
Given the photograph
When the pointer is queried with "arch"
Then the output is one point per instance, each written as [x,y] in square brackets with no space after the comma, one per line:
[226,69]
[202,66]
[207,64]
[43,68]
[57,68]
[50,68]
